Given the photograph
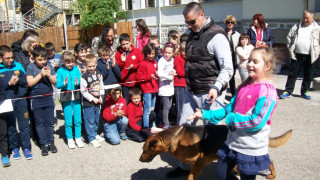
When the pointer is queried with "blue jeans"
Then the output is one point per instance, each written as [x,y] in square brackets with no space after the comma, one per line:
[20,114]
[149,102]
[91,121]
[72,110]
[113,130]
[44,118]
[179,92]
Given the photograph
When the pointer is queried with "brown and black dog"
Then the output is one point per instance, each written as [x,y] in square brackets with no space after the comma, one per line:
[190,145]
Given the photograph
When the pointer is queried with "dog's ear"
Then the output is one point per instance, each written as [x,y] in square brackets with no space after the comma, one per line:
[153,144]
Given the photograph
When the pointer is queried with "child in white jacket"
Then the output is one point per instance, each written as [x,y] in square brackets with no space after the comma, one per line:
[166,74]
[243,51]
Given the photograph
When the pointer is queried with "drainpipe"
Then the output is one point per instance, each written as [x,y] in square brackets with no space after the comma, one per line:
[160,20]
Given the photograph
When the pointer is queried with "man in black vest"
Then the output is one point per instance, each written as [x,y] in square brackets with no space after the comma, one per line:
[208,67]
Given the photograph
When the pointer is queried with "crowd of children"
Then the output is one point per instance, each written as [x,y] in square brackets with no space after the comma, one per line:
[146,73]
[143,76]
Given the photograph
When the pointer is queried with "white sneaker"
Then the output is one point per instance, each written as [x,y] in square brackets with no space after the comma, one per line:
[71,144]
[95,143]
[79,143]
[99,138]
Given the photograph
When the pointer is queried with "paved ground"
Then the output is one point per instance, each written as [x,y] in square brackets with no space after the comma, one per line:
[298,159]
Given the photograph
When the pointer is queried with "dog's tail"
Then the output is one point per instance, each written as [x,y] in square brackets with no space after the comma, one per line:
[276,142]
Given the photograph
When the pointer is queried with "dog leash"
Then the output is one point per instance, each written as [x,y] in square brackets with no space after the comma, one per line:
[206,101]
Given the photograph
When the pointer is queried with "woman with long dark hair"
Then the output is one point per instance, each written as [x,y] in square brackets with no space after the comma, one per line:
[144,34]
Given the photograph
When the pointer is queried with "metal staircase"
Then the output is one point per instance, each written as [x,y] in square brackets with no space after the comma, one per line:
[44,11]
[37,17]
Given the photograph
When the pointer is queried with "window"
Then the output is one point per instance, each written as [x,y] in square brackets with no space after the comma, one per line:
[128,4]
[175,2]
[150,3]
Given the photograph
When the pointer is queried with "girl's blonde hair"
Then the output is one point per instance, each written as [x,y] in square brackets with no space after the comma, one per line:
[27,42]
[67,56]
[269,62]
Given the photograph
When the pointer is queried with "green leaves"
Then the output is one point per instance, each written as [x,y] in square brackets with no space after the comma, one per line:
[98,12]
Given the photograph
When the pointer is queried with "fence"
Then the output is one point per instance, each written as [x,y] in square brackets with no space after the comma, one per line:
[75,34]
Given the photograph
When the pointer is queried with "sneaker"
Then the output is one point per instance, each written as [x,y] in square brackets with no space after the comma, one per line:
[53,148]
[44,150]
[99,138]
[16,153]
[284,95]
[5,161]
[79,142]
[124,137]
[28,154]
[178,172]
[94,143]
[71,144]
[306,95]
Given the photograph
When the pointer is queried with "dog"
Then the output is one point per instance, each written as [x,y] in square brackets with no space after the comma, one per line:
[195,146]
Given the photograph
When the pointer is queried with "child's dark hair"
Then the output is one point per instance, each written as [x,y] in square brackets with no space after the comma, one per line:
[80,47]
[103,48]
[148,49]
[116,89]
[169,45]
[173,37]
[173,32]
[243,36]
[124,37]
[135,91]
[143,26]
[4,49]
[39,51]
[154,37]
[184,37]
[49,47]
[67,56]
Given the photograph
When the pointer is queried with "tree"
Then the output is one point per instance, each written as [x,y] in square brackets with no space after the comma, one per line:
[98,12]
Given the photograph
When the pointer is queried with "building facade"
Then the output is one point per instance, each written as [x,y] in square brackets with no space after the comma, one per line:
[162,16]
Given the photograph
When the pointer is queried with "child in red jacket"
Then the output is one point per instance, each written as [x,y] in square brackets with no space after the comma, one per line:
[147,73]
[179,80]
[135,132]
[114,117]
[128,59]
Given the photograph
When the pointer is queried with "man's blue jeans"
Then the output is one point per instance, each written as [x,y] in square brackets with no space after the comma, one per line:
[149,102]
[91,121]
[116,129]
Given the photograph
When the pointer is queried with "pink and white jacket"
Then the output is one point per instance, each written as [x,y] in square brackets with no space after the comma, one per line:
[250,115]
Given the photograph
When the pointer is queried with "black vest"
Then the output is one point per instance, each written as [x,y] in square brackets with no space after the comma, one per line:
[93,85]
[202,68]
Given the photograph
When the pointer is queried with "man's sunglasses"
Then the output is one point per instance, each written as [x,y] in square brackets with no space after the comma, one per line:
[192,22]
[229,22]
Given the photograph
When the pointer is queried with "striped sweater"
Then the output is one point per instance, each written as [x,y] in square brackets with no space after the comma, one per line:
[250,114]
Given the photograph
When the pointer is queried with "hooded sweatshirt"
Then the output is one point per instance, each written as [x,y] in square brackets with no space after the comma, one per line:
[250,115]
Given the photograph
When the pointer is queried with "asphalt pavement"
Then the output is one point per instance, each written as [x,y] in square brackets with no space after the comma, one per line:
[298,159]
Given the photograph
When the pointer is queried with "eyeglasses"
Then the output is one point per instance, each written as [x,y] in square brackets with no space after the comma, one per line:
[8,58]
[229,22]
[192,22]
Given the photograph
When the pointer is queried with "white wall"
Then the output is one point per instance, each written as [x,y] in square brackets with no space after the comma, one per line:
[274,9]
[172,15]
